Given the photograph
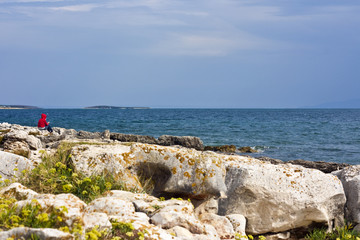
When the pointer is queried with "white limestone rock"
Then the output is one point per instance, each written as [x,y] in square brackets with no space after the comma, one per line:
[112,206]
[129,196]
[91,220]
[206,206]
[10,162]
[277,198]
[222,225]
[73,204]
[19,192]
[238,222]
[178,215]
[41,233]
[350,179]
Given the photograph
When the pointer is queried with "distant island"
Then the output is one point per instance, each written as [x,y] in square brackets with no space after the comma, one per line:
[17,107]
[114,107]
[351,103]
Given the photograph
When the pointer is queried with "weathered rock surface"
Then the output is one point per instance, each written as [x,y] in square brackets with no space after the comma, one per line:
[326,167]
[41,233]
[350,179]
[276,198]
[184,172]
[11,165]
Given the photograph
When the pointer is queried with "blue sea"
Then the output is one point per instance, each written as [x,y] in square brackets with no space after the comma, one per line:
[331,135]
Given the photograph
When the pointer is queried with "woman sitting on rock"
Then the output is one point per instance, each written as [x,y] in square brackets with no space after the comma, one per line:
[43,124]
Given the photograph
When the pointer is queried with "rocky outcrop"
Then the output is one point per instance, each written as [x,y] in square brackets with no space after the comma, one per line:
[93,135]
[133,138]
[222,148]
[162,219]
[184,141]
[247,150]
[165,140]
[264,196]
[277,198]
[326,167]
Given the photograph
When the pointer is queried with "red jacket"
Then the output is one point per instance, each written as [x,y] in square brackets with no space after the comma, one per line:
[42,121]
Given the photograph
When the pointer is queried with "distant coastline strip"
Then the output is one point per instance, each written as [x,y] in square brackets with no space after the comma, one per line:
[114,107]
[17,107]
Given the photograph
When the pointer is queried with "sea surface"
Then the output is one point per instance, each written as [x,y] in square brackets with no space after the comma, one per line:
[331,135]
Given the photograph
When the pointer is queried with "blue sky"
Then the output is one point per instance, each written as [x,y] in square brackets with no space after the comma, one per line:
[169,53]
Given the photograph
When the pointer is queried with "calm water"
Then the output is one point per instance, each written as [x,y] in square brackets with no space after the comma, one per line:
[286,134]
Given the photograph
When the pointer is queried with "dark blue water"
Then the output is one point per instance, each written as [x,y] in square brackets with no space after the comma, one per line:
[331,135]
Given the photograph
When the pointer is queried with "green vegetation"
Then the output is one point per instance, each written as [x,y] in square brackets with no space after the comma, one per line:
[119,231]
[345,233]
[56,174]
[33,215]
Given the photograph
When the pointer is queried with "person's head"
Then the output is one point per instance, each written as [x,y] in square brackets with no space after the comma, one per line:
[43,115]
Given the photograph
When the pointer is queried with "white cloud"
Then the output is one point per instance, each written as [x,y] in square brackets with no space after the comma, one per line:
[29,1]
[208,44]
[77,8]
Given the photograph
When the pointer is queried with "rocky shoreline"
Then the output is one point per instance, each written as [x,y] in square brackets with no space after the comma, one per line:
[228,195]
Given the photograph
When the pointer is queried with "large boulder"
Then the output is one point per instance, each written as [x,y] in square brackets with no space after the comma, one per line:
[11,165]
[350,178]
[185,141]
[277,198]
[180,172]
[98,158]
